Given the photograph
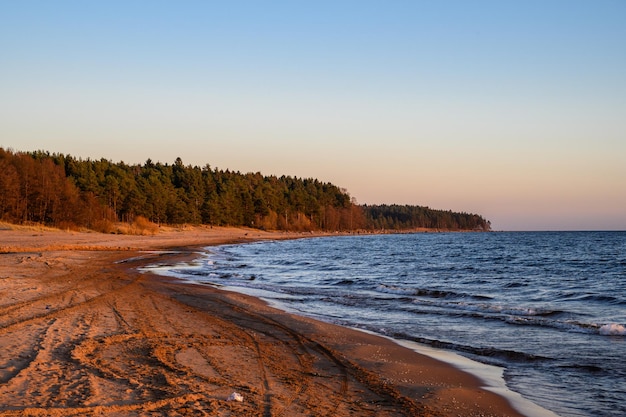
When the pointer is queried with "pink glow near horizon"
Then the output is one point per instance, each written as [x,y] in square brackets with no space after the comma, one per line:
[512,111]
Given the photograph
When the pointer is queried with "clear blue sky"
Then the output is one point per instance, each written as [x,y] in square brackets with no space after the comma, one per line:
[512,109]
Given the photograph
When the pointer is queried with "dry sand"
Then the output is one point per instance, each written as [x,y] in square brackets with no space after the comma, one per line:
[84,334]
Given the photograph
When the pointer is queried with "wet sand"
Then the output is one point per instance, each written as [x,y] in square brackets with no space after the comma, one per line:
[82,332]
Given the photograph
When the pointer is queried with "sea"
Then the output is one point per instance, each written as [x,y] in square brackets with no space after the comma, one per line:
[547,308]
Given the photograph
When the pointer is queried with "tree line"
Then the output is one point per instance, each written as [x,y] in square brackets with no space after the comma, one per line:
[68,192]
[403,217]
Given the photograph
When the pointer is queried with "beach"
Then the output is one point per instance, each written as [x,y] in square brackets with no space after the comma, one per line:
[84,332]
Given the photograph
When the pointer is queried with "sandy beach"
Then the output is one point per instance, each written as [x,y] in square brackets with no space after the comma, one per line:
[83,332]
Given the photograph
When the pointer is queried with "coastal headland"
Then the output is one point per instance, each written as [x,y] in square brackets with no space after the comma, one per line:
[83,332]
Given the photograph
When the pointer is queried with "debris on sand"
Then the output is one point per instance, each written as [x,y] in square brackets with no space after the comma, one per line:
[235,396]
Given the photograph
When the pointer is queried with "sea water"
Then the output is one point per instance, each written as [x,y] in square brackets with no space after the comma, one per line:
[548,307]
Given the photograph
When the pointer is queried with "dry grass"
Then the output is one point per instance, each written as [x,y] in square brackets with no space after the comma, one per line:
[143,226]
[140,226]
[27,227]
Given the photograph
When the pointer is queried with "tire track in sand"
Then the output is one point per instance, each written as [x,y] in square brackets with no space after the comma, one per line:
[121,343]
[336,370]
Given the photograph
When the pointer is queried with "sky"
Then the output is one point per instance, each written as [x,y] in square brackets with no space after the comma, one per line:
[515,110]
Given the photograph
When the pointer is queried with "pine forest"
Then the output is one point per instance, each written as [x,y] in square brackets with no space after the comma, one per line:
[66,192]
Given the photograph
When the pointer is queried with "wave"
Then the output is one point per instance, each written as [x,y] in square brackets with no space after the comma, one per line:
[424,292]
[509,310]
[191,272]
[334,282]
[581,296]
[584,367]
[516,285]
[485,352]
[526,316]
[609,299]
[429,301]
[489,309]
[608,329]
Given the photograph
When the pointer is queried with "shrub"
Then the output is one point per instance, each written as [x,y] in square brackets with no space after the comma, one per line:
[143,226]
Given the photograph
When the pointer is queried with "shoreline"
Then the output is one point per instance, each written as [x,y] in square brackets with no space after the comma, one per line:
[85,335]
[490,376]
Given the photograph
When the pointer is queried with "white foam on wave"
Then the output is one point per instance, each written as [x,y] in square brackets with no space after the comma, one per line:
[178,270]
[502,309]
[512,314]
[613,329]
